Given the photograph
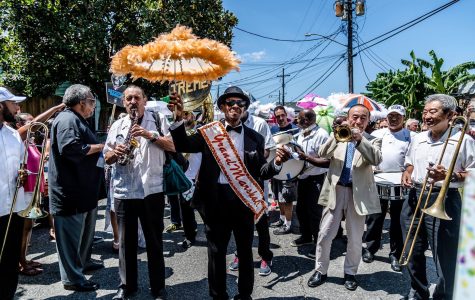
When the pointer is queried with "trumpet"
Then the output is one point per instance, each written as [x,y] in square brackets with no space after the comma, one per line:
[33,211]
[437,210]
[343,133]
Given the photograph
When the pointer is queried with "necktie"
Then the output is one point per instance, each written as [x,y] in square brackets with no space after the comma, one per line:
[346,172]
[238,129]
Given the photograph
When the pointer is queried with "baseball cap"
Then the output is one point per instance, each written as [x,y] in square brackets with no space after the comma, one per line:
[397,109]
[6,95]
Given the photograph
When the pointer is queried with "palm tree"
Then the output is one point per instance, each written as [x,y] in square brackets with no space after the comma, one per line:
[409,87]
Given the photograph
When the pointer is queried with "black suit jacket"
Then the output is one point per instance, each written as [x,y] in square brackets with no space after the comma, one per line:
[206,197]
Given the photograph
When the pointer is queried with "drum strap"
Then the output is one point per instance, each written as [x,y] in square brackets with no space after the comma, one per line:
[233,168]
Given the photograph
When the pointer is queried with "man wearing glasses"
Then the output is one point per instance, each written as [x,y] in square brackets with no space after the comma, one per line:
[218,194]
[74,181]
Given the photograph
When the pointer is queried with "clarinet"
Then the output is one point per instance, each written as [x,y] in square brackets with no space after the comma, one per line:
[130,143]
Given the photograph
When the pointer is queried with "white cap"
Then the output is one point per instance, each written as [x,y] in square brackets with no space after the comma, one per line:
[397,109]
[6,95]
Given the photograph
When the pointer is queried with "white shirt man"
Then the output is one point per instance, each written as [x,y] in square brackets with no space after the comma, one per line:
[441,235]
[395,142]
[11,156]
[143,175]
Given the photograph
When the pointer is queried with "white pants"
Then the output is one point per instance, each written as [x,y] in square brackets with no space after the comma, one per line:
[329,227]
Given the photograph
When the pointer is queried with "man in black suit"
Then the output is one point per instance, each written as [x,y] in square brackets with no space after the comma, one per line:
[221,209]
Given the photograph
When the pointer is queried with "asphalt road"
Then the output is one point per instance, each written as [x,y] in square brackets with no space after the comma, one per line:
[186,271]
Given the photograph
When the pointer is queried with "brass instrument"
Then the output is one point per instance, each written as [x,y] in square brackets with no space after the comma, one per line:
[343,133]
[33,211]
[437,210]
[130,143]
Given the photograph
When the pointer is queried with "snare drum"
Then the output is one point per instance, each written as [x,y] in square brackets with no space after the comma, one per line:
[389,186]
[291,168]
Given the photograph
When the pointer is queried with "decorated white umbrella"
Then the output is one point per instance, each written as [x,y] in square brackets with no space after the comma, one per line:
[311,101]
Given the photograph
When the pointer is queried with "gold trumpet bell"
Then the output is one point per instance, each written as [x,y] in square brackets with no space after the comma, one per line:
[437,209]
[343,133]
[34,211]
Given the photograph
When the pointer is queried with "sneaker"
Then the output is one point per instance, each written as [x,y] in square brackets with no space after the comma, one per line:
[276,224]
[301,241]
[173,227]
[265,270]
[282,230]
[234,265]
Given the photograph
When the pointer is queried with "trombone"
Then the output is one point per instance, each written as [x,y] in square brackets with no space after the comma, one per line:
[33,211]
[437,209]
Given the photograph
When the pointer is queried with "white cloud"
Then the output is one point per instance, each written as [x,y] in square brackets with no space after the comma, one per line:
[252,56]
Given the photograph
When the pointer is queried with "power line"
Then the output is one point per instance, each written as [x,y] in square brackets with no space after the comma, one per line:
[361,60]
[322,78]
[406,25]
[287,40]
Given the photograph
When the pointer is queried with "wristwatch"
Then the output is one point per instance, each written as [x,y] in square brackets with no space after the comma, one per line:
[154,137]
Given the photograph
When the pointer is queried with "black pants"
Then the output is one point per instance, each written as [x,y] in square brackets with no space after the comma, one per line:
[374,228]
[263,248]
[442,236]
[309,212]
[150,212]
[188,219]
[232,217]
[11,255]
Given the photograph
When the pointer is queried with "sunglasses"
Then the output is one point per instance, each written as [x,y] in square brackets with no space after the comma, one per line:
[240,103]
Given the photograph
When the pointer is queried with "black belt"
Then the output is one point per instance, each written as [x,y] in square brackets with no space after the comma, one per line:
[418,186]
[349,184]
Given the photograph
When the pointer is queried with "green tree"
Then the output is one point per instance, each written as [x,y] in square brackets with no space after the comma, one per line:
[51,41]
[410,86]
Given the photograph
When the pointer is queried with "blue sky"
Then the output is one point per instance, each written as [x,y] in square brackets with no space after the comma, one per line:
[449,33]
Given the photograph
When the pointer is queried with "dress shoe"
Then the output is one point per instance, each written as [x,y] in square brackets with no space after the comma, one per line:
[350,282]
[316,279]
[93,266]
[123,294]
[395,264]
[367,257]
[311,253]
[86,286]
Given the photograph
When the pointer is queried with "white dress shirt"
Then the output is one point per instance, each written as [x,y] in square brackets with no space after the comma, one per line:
[11,155]
[143,175]
[260,125]
[393,148]
[310,145]
[424,150]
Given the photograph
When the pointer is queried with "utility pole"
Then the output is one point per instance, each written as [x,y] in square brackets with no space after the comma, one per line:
[283,85]
[349,7]
[344,10]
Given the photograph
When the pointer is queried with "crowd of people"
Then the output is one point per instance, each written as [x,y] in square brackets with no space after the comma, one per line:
[230,164]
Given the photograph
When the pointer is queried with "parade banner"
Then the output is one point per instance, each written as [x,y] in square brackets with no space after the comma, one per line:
[465,274]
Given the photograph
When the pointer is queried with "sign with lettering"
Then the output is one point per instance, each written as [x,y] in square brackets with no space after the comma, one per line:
[192,93]
[114,95]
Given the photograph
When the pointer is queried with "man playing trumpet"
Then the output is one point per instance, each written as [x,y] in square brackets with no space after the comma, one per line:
[349,189]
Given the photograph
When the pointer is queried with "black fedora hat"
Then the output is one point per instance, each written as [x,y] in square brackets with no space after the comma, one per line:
[233,91]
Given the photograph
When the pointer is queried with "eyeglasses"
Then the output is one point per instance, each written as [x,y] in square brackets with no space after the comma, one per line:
[240,103]
[92,100]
